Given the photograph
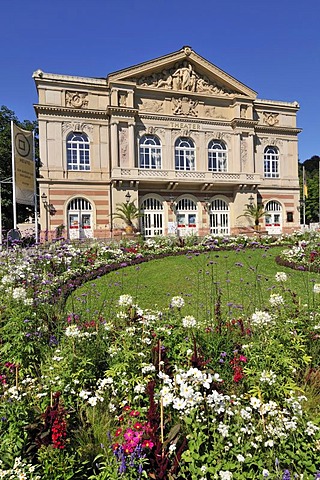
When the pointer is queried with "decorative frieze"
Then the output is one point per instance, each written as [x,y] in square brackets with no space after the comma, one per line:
[154,106]
[123,145]
[76,99]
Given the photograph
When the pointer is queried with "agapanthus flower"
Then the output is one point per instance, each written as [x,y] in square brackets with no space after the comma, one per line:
[125,300]
[281,277]
[261,319]
[177,302]
[189,321]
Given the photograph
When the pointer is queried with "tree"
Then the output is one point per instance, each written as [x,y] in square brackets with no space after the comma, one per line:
[127,212]
[312,181]
[23,211]
[254,212]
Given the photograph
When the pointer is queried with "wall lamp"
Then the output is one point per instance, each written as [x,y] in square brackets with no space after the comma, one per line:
[128,196]
[251,200]
[172,204]
[207,204]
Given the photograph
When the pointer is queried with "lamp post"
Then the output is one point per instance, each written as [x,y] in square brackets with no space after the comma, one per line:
[49,208]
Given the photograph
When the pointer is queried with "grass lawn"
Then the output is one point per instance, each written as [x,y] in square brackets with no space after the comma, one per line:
[244,279]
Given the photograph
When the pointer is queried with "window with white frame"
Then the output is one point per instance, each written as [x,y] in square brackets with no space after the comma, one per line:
[271,162]
[184,152]
[217,156]
[78,152]
[150,152]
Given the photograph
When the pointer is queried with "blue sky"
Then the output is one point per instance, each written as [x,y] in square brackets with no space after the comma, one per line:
[272,46]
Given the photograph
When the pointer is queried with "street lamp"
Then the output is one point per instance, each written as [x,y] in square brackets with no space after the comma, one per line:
[128,196]
[49,208]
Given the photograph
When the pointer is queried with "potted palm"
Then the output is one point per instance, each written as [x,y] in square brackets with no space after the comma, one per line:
[254,212]
[128,213]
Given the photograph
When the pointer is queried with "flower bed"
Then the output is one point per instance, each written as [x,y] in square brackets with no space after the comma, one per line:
[151,394]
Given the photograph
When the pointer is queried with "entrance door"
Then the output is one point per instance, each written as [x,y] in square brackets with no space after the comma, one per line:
[219,217]
[273,218]
[152,220]
[80,219]
[186,213]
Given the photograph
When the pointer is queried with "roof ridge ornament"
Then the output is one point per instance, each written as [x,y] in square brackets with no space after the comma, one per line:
[187,50]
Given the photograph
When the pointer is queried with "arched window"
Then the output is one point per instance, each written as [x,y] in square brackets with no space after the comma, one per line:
[152,219]
[184,152]
[271,162]
[217,156]
[150,152]
[78,152]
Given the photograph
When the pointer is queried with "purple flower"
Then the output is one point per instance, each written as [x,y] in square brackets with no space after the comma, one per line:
[286,475]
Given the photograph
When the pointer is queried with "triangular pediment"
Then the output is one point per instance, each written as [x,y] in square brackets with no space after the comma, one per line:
[183,71]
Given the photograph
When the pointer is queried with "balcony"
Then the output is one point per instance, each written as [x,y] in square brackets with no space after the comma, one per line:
[183,176]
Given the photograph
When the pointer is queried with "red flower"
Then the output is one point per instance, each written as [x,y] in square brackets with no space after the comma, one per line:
[147,444]
[138,426]
[134,413]
[118,432]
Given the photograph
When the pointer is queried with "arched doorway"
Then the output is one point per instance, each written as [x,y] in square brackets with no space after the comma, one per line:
[273,217]
[219,217]
[79,213]
[186,213]
[152,220]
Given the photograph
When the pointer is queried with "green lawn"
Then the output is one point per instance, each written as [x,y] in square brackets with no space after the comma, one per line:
[245,280]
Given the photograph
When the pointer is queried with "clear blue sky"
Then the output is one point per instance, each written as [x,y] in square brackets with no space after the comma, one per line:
[272,46]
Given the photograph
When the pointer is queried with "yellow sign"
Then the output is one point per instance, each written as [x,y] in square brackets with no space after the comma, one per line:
[24,168]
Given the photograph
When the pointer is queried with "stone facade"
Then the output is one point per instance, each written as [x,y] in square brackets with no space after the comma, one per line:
[189,143]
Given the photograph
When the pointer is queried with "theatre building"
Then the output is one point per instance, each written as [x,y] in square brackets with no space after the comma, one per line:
[189,144]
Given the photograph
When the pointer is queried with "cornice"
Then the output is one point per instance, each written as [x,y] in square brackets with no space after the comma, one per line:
[243,123]
[277,130]
[127,111]
[66,111]
[40,76]
[176,119]
[275,103]
[71,181]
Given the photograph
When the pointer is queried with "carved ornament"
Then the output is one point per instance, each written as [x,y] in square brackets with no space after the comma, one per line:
[182,77]
[76,127]
[152,106]
[271,118]
[76,99]
[185,106]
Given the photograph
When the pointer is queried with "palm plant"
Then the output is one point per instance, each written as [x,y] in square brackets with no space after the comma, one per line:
[127,212]
[254,212]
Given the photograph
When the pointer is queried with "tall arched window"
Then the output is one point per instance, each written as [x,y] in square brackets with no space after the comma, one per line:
[78,152]
[152,219]
[150,152]
[184,152]
[217,156]
[271,162]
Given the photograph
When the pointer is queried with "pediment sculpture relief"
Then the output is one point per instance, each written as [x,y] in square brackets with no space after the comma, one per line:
[182,77]
[76,99]
[185,106]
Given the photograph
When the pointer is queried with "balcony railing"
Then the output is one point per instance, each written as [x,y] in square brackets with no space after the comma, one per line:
[155,175]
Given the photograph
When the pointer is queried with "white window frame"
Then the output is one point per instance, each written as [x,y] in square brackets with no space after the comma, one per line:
[78,152]
[271,162]
[150,155]
[217,156]
[184,154]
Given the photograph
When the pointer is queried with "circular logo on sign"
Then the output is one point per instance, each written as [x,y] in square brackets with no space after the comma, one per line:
[22,145]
